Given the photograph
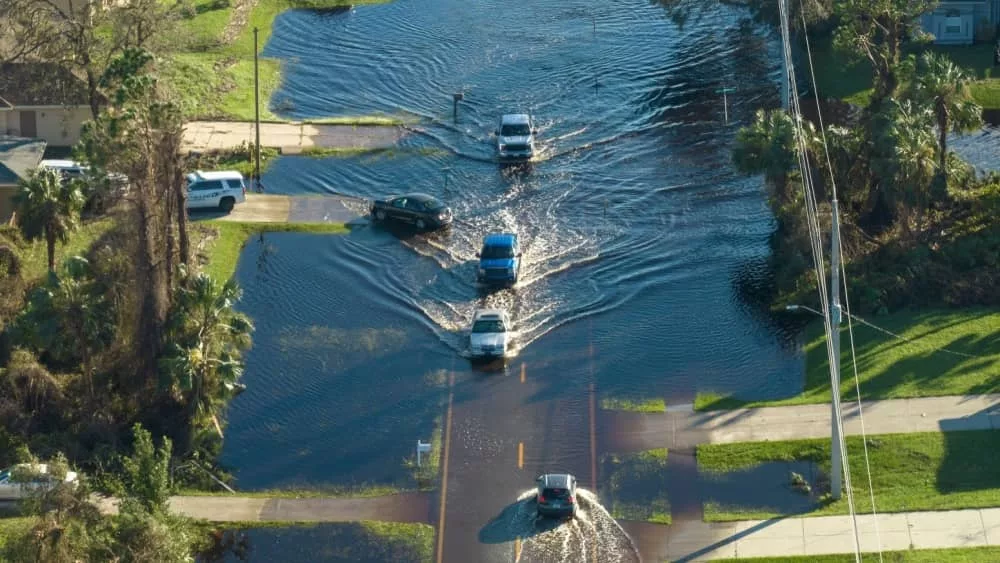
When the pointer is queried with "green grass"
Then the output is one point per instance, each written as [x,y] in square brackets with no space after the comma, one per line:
[13,528]
[837,76]
[910,472]
[430,464]
[230,237]
[957,555]
[34,256]
[326,152]
[416,539]
[656,404]
[636,486]
[889,368]
[214,80]
[361,491]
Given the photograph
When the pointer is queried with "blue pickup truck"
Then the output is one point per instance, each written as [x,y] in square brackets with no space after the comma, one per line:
[499,260]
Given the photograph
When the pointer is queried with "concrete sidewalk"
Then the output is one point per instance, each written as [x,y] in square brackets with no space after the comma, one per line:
[273,208]
[403,507]
[289,138]
[623,432]
[702,541]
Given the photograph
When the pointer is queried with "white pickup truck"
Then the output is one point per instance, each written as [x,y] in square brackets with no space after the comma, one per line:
[217,190]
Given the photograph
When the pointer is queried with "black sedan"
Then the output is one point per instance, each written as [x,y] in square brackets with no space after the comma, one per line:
[420,210]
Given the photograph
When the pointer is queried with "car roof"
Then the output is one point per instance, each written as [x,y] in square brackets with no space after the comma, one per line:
[418,196]
[515,118]
[58,163]
[200,175]
[557,481]
[487,313]
[500,239]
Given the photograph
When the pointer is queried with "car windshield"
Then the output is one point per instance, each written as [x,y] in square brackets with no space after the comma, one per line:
[488,326]
[4,475]
[515,130]
[433,205]
[491,252]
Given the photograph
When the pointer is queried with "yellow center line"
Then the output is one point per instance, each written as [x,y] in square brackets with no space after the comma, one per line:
[522,372]
[593,439]
[517,549]
[520,455]
[444,470]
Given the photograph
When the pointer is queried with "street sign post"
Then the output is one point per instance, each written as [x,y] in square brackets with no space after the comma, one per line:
[422,448]
[725,101]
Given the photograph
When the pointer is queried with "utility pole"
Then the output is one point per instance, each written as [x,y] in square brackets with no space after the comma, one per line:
[836,467]
[256,111]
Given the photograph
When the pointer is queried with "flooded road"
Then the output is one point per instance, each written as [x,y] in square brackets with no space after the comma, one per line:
[636,235]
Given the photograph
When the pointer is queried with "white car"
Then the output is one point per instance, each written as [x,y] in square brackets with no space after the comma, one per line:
[516,137]
[217,190]
[489,337]
[68,168]
[12,488]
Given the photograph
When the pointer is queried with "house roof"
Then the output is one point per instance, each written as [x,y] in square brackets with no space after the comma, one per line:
[40,84]
[18,156]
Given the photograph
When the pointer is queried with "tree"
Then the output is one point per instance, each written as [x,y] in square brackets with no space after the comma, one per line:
[768,146]
[82,36]
[139,137]
[878,30]
[206,337]
[910,165]
[68,319]
[49,208]
[942,85]
[144,483]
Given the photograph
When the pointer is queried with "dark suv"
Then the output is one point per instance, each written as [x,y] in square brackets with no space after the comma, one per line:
[556,496]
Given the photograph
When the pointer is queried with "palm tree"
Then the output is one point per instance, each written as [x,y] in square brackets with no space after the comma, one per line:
[941,84]
[911,163]
[49,208]
[205,341]
[768,146]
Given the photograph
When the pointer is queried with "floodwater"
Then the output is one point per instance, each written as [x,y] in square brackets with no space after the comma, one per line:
[637,234]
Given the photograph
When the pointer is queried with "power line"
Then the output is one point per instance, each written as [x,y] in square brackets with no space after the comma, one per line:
[815,239]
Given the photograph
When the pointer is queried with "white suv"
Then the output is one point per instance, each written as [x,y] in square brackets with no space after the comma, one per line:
[217,190]
[68,168]
[19,481]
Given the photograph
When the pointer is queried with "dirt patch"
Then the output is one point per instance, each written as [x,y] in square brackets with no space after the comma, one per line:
[238,21]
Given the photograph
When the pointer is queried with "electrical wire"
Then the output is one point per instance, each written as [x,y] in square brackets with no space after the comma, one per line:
[847,301]
[815,238]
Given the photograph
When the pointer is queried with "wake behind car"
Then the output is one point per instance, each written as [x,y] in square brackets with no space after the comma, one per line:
[489,337]
[516,137]
[216,190]
[420,210]
[556,496]
[499,259]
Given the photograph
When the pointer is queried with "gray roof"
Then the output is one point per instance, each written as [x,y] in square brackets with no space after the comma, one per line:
[40,84]
[18,156]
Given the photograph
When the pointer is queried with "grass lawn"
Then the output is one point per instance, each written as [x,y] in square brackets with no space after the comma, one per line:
[957,555]
[229,237]
[636,486]
[890,368]
[11,528]
[836,77]
[426,475]
[213,78]
[634,405]
[910,472]
[34,255]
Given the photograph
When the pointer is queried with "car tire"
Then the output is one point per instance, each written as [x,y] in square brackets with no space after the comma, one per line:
[379,215]
[421,224]
[227,204]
